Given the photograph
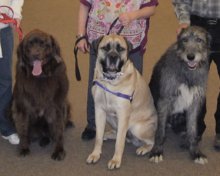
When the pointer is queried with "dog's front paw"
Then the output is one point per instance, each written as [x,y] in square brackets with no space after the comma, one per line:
[114,164]
[93,158]
[156,156]
[24,152]
[199,158]
[58,155]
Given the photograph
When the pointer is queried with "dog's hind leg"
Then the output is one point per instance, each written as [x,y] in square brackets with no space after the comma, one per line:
[144,149]
[143,136]
[110,135]
[194,150]
[44,141]
[42,131]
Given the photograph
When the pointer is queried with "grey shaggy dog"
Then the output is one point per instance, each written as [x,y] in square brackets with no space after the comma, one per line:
[178,86]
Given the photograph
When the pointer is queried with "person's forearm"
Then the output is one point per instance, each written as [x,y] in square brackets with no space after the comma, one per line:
[82,18]
[144,12]
[182,10]
[16,5]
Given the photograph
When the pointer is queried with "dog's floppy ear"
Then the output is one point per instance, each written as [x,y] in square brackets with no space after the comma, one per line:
[181,32]
[20,53]
[56,49]
[129,45]
[95,44]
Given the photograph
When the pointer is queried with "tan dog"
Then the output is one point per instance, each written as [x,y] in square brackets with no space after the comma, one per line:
[121,97]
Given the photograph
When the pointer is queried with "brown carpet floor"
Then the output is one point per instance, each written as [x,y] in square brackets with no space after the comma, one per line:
[60,19]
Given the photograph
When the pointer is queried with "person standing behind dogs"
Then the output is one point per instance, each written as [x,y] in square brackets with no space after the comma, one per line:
[6,51]
[206,14]
[95,19]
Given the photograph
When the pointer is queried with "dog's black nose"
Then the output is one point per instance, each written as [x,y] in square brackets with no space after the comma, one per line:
[190,57]
[36,55]
[113,57]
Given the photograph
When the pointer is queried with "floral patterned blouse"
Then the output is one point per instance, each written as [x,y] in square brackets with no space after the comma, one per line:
[103,12]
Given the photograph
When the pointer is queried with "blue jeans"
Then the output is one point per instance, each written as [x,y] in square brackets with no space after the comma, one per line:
[7,43]
[136,58]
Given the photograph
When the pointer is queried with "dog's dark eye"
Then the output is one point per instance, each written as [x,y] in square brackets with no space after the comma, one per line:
[47,45]
[41,43]
[106,48]
[31,43]
[185,40]
[199,40]
[119,48]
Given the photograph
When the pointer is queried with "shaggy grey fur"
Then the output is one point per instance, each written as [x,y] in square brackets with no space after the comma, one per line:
[178,86]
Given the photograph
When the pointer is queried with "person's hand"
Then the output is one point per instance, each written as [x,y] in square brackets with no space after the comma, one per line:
[83,46]
[18,22]
[181,26]
[126,18]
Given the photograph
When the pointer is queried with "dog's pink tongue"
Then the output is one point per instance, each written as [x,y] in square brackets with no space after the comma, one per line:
[37,68]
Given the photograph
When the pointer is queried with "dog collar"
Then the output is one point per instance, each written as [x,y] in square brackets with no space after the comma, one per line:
[118,94]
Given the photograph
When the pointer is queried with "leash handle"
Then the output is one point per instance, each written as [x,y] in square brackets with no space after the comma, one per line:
[9,8]
[113,24]
[77,72]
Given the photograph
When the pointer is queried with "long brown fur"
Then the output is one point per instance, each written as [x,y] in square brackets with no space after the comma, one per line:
[40,106]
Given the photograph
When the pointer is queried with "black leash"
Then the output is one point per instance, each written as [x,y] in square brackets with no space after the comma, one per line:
[113,24]
[77,71]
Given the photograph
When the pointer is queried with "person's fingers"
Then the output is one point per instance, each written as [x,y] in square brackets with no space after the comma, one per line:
[87,48]
[181,27]
[82,46]
[18,22]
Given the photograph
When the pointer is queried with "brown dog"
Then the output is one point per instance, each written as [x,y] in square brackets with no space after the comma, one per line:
[121,97]
[40,106]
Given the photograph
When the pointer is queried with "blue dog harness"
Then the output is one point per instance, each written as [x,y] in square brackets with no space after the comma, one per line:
[118,94]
